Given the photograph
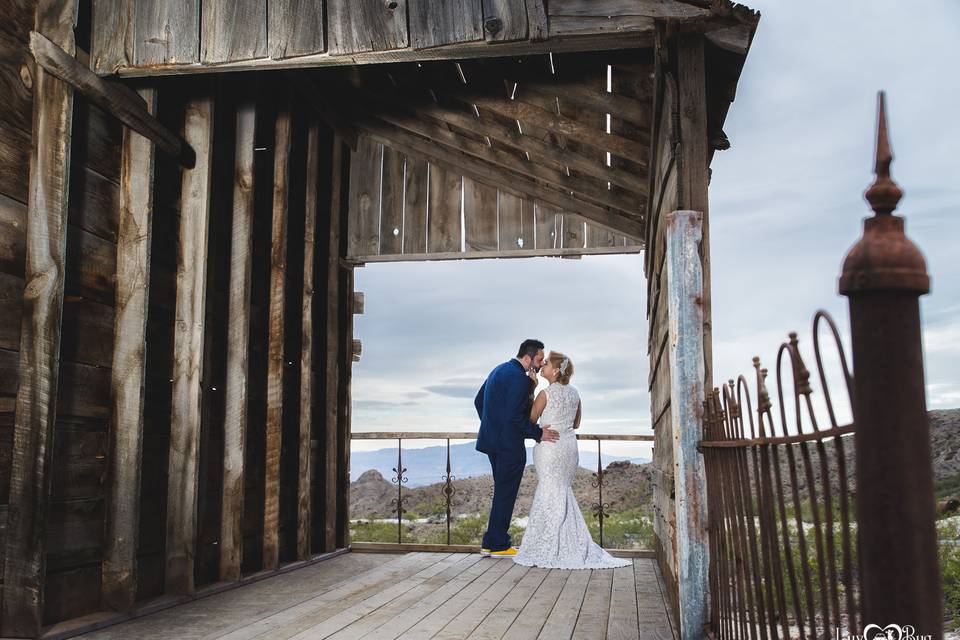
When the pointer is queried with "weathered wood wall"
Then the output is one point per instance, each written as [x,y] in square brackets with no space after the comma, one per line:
[223,315]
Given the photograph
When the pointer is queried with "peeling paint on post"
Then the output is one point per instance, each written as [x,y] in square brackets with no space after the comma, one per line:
[685,314]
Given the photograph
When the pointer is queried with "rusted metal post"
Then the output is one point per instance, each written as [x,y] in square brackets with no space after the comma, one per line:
[685,315]
[884,274]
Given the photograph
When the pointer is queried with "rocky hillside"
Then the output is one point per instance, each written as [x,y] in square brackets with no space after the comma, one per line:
[628,485]
[625,485]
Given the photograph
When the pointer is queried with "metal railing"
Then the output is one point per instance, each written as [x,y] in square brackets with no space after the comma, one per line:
[765,570]
[787,558]
[598,508]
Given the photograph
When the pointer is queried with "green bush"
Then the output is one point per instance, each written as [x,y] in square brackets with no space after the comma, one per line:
[948,552]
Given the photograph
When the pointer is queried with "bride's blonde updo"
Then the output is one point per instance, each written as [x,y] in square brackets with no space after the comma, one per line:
[564,366]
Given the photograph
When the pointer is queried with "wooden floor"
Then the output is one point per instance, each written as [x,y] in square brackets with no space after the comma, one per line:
[422,595]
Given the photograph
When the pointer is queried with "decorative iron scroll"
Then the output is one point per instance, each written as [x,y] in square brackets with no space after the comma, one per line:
[448,489]
[599,507]
[399,479]
[777,566]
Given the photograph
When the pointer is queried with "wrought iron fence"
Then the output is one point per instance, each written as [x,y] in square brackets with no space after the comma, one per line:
[818,529]
[768,494]
[599,508]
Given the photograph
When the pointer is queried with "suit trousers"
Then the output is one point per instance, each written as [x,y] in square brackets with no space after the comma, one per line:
[507,474]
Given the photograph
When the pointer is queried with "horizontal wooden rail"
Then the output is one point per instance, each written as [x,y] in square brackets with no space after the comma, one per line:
[470,435]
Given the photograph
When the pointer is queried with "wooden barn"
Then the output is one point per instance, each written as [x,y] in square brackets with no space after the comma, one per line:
[186,188]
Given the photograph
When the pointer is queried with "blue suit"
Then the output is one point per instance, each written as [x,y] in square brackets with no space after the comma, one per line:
[503,406]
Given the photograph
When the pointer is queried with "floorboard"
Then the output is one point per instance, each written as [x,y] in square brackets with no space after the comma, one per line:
[421,596]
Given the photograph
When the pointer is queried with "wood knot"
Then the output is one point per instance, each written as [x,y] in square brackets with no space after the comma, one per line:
[493,26]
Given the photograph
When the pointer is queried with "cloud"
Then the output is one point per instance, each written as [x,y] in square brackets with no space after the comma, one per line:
[785,206]
[453,390]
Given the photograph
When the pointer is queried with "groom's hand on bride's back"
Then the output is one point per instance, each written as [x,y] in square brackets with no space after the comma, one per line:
[549,435]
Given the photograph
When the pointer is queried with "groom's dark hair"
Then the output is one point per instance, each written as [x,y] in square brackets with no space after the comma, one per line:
[529,347]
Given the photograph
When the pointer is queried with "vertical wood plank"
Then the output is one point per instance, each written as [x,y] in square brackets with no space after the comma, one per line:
[685,317]
[572,236]
[415,206]
[504,20]
[693,165]
[443,214]
[128,374]
[537,26]
[480,216]
[234,30]
[547,230]
[363,228]
[238,337]
[391,207]
[111,45]
[167,32]
[332,343]
[35,409]
[304,500]
[185,413]
[510,221]
[296,28]
[275,361]
[366,25]
[345,405]
[438,22]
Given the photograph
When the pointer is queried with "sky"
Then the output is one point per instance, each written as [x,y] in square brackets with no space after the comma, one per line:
[785,205]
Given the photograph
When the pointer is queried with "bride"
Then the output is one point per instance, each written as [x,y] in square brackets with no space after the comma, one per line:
[557,536]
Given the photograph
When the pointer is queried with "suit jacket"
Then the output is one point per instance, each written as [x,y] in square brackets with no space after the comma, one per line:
[504,409]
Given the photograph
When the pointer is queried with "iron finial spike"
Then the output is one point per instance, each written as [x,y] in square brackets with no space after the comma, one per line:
[884,194]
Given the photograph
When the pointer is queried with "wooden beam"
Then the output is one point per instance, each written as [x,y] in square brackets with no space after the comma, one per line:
[660,9]
[357,305]
[275,361]
[186,403]
[40,328]
[344,412]
[504,253]
[238,337]
[363,224]
[505,180]
[596,38]
[320,102]
[693,164]
[618,105]
[118,100]
[331,351]
[128,369]
[685,317]
[366,25]
[304,497]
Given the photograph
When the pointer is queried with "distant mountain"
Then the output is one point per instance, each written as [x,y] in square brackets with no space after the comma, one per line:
[429,464]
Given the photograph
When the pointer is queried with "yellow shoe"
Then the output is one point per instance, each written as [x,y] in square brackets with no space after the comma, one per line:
[506,553]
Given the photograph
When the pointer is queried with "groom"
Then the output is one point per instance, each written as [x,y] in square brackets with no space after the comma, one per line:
[504,409]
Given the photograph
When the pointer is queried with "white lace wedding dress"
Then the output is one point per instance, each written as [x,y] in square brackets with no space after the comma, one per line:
[557,536]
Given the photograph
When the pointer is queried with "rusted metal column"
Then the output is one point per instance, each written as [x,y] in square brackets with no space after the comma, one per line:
[685,318]
[883,275]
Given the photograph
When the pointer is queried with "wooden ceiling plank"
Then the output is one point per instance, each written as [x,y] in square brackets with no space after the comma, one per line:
[506,180]
[442,22]
[295,28]
[479,216]
[511,137]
